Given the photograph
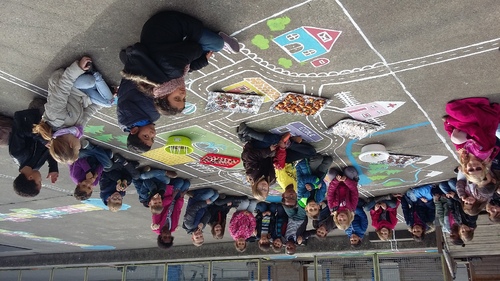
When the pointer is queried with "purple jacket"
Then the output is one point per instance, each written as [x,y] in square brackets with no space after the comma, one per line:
[80,168]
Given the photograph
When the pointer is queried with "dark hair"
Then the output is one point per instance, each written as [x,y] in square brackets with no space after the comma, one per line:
[163,245]
[419,239]
[357,244]
[163,107]
[25,187]
[81,194]
[223,226]
[265,246]
[135,144]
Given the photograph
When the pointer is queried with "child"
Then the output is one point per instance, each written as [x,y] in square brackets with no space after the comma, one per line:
[279,222]
[197,215]
[311,190]
[356,231]
[30,153]
[67,111]
[419,211]
[446,218]
[296,227]
[343,196]
[493,208]
[114,182]
[324,224]
[165,223]
[383,211]
[475,196]
[136,115]
[266,156]
[471,124]
[242,224]
[86,171]
[263,218]
[218,213]
[152,185]
[466,223]
[171,44]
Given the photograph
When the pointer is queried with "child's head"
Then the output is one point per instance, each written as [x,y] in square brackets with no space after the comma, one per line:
[165,240]
[384,233]
[466,233]
[155,204]
[164,106]
[418,232]
[474,208]
[355,240]
[260,189]
[290,247]
[277,245]
[140,139]
[84,189]
[343,219]
[474,169]
[493,212]
[218,230]
[455,235]
[240,244]
[114,202]
[197,237]
[312,210]
[321,232]
[28,183]
[63,148]
[264,243]
[289,197]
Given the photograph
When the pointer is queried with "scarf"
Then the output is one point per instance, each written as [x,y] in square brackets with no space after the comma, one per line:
[170,86]
[76,131]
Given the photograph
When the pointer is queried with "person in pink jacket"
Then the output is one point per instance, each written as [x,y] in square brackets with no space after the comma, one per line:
[343,196]
[166,222]
[383,211]
[242,224]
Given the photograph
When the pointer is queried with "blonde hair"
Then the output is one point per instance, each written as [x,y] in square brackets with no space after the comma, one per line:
[199,243]
[59,148]
[241,250]
[143,84]
[156,209]
[465,157]
[259,195]
[379,234]
[114,206]
[350,218]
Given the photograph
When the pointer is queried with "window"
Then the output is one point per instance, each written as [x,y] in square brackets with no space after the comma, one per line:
[309,52]
[292,36]
[324,36]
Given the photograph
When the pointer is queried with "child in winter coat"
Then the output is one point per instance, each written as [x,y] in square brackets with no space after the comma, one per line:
[296,228]
[114,182]
[197,215]
[67,111]
[172,43]
[343,196]
[474,196]
[356,231]
[166,222]
[383,211]
[86,171]
[279,222]
[493,208]
[218,213]
[151,187]
[324,224]
[30,153]
[419,211]
[242,224]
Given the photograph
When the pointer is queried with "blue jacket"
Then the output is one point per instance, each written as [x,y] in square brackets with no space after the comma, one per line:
[359,224]
[108,183]
[304,176]
[134,106]
[425,211]
[147,188]
[196,213]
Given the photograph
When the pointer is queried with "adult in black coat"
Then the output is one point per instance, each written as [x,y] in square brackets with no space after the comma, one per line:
[30,153]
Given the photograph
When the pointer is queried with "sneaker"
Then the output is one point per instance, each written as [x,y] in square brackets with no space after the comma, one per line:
[171,174]
[118,158]
[230,41]
[146,169]
[242,129]
[84,143]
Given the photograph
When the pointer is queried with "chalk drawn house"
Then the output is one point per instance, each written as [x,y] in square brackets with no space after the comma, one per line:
[305,43]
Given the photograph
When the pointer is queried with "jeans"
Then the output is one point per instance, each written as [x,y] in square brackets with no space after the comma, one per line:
[294,152]
[210,41]
[420,192]
[102,155]
[390,202]
[95,87]
[320,164]
[449,186]
[247,205]
[157,174]
[349,172]
[180,184]
[204,194]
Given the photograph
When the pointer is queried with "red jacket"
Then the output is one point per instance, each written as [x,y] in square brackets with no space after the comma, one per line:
[391,213]
[343,195]
[176,213]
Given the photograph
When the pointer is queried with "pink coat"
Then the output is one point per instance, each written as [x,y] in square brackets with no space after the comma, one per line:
[391,213]
[176,213]
[242,225]
[343,195]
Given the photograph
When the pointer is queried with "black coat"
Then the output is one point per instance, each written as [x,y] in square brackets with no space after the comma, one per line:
[26,148]
[108,181]
[460,217]
[134,106]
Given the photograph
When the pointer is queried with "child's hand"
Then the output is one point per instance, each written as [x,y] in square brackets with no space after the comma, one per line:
[209,54]
[340,178]
[383,206]
[450,194]
[200,226]
[423,199]
[155,226]
[85,63]
[308,187]
[229,203]
[273,147]
[377,206]
[282,144]
[266,213]
[299,240]
[208,201]
[53,176]
[470,200]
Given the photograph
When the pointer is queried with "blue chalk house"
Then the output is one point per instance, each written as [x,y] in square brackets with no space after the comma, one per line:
[305,43]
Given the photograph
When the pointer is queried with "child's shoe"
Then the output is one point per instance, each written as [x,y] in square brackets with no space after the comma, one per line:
[84,143]
[146,169]
[231,42]
[171,174]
